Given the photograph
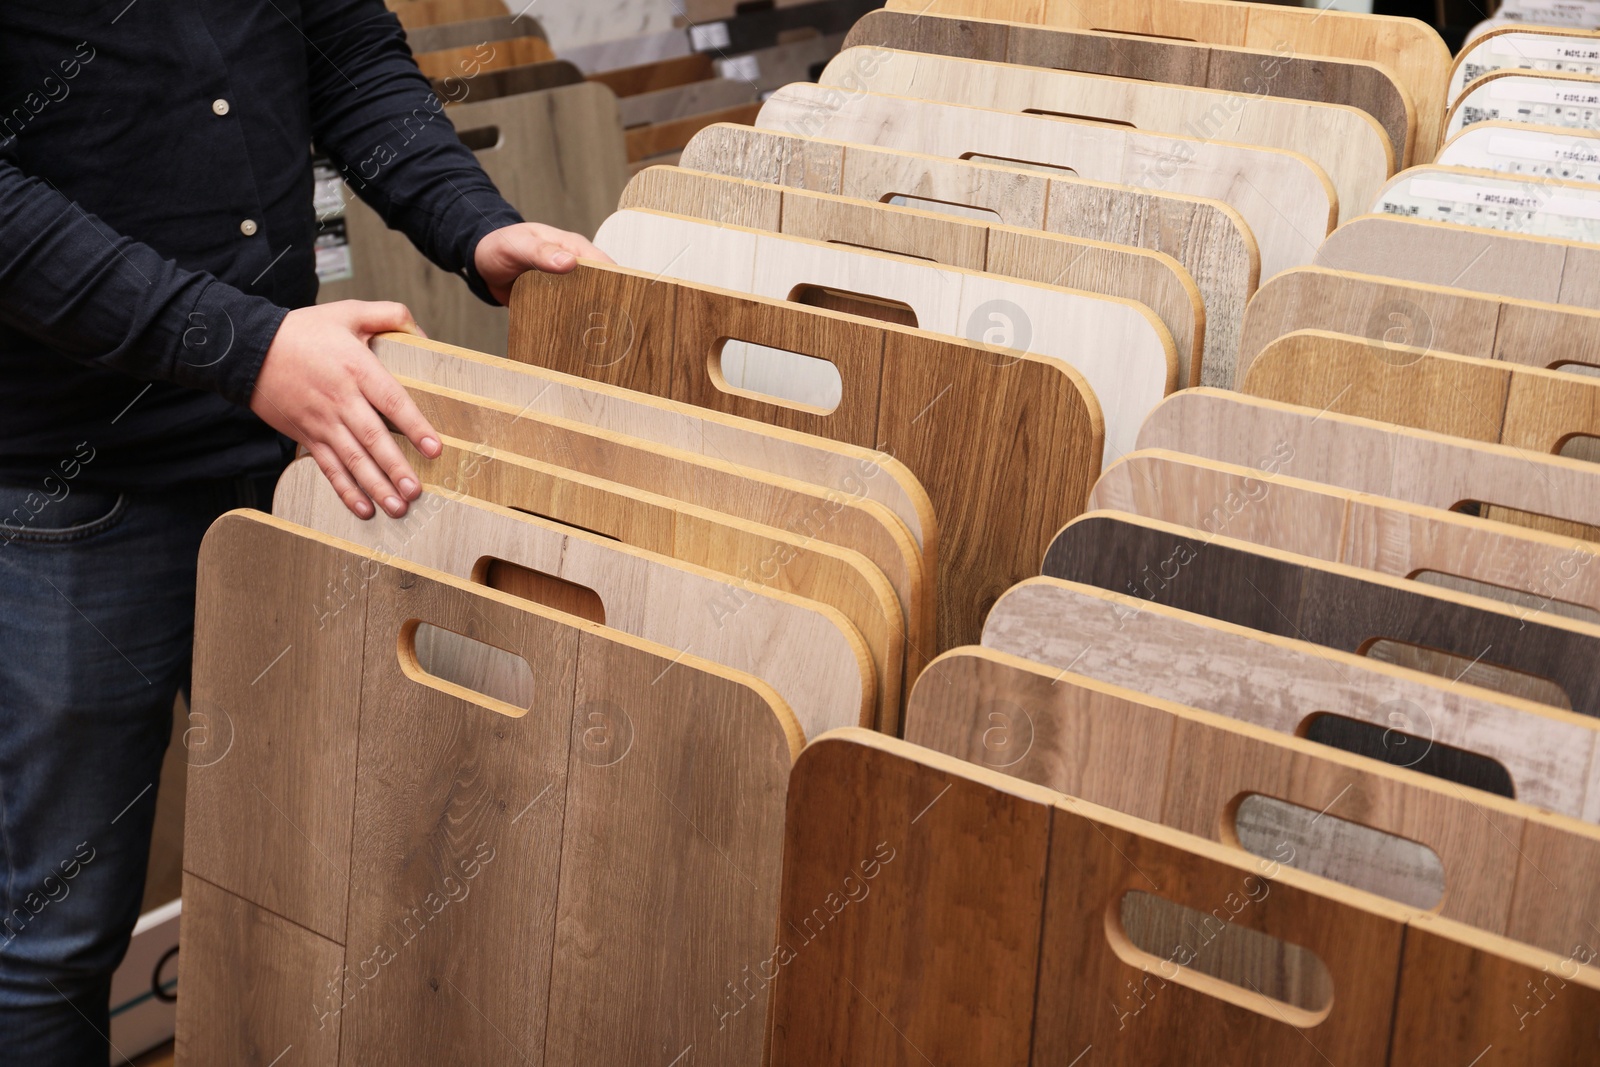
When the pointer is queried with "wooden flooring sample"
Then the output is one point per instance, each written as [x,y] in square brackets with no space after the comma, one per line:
[809,653]
[1562,100]
[1347,143]
[415,14]
[1413,839]
[1485,642]
[1025,914]
[1523,149]
[938,405]
[1411,50]
[573,188]
[509,81]
[1531,752]
[467,60]
[1533,207]
[798,564]
[645,142]
[1552,492]
[1119,347]
[1150,278]
[1464,396]
[1439,253]
[1524,47]
[1413,314]
[1287,200]
[1535,571]
[471,32]
[1208,239]
[1279,73]
[548,810]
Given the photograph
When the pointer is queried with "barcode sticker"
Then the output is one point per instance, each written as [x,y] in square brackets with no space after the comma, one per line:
[709,36]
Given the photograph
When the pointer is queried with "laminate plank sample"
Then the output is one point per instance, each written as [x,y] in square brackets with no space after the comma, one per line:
[1256,71]
[1388,831]
[1414,314]
[1530,206]
[1411,50]
[1535,571]
[685,101]
[573,188]
[1287,200]
[845,469]
[644,142]
[1549,99]
[1347,143]
[509,81]
[467,60]
[1526,47]
[439,37]
[1330,604]
[416,14]
[1120,347]
[1525,149]
[1531,752]
[809,653]
[1208,239]
[937,404]
[1151,278]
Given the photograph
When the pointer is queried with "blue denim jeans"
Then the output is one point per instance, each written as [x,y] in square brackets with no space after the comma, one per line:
[96,628]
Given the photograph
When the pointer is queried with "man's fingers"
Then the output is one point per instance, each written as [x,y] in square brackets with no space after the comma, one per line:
[333,470]
[396,405]
[356,455]
[551,257]
[368,317]
[579,246]
[386,454]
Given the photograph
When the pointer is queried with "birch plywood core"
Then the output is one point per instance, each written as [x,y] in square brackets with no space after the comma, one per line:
[1208,239]
[1405,836]
[1120,347]
[1523,332]
[1289,686]
[1348,144]
[1286,199]
[1536,207]
[807,652]
[1256,71]
[480,839]
[937,404]
[1411,50]
[1149,278]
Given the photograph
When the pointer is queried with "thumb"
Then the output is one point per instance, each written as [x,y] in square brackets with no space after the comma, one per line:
[369,317]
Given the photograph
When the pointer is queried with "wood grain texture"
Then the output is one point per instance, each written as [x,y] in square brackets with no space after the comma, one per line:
[1286,199]
[1284,685]
[1534,570]
[1151,278]
[415,14]
[1328,604]
[1347,143]
[1189,770]
[1280,73]
[470,32]
[1439,253]
[1382,458]
[1208,239]
[808,652]
[657,74]
[495,838]
[936,404]
[1411,50]
[1463,396]
[574,188]
[643,142]
[760,497]
[1120,347]
[289,969]
[761,555]
[1444,319]
[491,84]
[854,471]
[464,60]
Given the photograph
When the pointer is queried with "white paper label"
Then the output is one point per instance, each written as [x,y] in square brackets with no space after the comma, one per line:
[1543,151]
[1531,46]
[1559,93]
[746,68]
[711,35]
[1490,196]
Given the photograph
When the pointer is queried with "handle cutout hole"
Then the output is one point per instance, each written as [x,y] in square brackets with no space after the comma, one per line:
[1581,446]
[776,376]
[1348,852]
[1079,118]
[943,207]
[1212,953]
[466,668]
[1409,747]
[1024,164]
[480,138]
[1552,579]
[539,587]
[1587,369]
[1481,673]
[863,304]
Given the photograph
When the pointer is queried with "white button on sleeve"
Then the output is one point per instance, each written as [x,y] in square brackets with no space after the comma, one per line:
[220,106]
[248,227]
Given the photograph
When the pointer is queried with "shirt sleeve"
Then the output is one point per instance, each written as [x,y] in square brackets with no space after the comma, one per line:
[384,127]
[71,282]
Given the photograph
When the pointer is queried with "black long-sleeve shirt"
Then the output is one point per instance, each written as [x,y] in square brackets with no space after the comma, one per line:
[156,218]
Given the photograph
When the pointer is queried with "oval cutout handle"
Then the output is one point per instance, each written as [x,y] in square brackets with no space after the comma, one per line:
[1404,744]
[466,668]
[775,376]
[480,138]
[540,587]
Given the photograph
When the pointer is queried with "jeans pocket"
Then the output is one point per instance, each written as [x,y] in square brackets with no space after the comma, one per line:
[31,516]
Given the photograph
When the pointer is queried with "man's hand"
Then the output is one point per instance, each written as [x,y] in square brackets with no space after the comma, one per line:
[510,251]
[321,385]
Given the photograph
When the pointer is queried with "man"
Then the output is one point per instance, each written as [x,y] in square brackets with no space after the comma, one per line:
[157,332]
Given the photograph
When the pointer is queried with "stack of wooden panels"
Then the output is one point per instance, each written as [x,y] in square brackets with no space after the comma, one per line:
[1024,527]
